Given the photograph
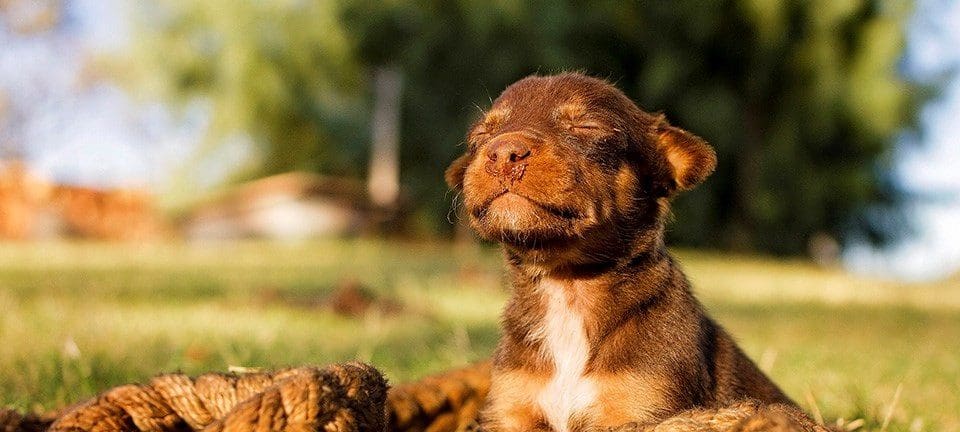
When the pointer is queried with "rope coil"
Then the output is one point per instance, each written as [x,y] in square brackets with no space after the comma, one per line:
[350,397]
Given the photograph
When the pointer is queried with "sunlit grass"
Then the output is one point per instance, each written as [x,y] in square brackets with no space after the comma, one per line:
[78,318]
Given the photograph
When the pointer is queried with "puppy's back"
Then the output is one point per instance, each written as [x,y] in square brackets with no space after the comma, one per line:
[736,377]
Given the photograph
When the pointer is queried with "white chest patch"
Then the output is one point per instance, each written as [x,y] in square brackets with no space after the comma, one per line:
[565,342]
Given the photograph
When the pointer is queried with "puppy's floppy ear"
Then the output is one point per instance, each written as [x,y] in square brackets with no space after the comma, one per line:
[455,172]
[690,158]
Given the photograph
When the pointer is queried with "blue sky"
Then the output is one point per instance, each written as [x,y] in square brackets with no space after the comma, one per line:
[101,137]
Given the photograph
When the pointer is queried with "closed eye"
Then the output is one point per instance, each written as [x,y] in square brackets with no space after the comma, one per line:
[480,129]
[478,133]
[586,126]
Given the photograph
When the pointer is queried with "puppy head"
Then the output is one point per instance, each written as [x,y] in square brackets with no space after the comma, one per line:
[564,167]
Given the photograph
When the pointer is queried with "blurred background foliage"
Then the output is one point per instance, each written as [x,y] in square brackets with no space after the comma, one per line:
[282,72]
[801,99]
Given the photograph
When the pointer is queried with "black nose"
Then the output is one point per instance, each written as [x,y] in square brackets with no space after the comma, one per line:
[508,151]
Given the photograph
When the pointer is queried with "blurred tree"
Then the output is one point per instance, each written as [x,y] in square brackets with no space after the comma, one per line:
[801,98]
[280,72]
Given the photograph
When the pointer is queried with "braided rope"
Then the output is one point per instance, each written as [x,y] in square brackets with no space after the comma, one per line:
[343,397]
[448,402]
[350,397]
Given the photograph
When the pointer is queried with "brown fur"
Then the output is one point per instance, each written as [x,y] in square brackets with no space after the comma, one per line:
[573,179]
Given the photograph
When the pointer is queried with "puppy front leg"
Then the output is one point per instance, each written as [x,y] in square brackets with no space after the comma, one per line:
[515,418]
[511,405]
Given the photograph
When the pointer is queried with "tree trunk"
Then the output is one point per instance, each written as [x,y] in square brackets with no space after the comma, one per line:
[383,183]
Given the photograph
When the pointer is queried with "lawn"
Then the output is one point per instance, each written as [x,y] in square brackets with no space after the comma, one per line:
[78,318]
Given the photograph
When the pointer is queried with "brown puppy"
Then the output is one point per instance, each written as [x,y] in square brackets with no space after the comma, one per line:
[602,329]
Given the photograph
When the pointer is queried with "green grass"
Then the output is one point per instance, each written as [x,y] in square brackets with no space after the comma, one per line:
[79,318]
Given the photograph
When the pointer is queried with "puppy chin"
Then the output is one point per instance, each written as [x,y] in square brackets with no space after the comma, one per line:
[511,213]
[518,230]
[524,225]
